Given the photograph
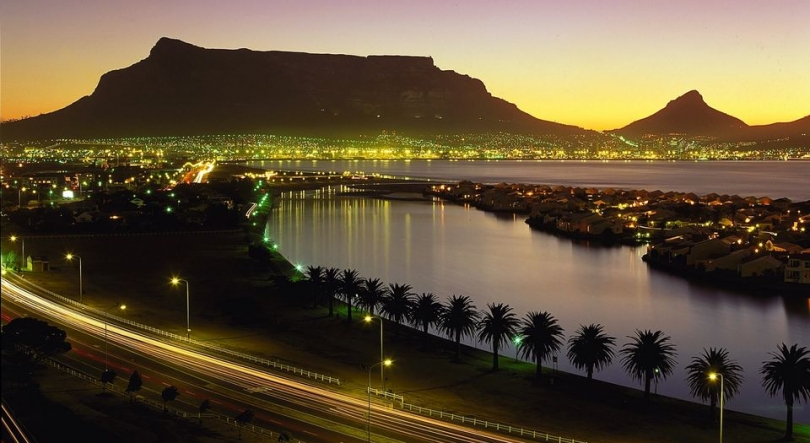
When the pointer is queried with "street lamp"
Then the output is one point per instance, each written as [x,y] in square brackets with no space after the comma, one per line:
[175,281]
[381,364]
[14,238]
[368,319]
[713,376]
[516,341]
[106,319]
[71,257]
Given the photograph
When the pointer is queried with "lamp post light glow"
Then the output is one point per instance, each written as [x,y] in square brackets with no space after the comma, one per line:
[175,281]
[23,262]
[381,364]
[81,290]
[368,319]
[106,318]
[713,376]
[516,340]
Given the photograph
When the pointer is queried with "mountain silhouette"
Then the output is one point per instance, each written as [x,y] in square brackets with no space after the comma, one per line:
[688,114]
[181,89]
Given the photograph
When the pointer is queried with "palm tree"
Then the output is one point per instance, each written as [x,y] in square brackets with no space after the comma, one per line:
[541,336]
[458,319]
[397,303]
[331,279]
[350,283]
[497,326]
[713,361]
[315,275]
[425,311]
[591,349]
[788,372]
[371,294]
[650,355]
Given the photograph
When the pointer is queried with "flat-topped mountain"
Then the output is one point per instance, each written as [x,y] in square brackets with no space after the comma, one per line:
[181,89]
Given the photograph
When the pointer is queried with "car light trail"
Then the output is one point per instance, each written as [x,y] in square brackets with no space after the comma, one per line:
[319,406]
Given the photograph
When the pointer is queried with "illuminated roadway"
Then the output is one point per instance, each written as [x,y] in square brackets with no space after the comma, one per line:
[321,413]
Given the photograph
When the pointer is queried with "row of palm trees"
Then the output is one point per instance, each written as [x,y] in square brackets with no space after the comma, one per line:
[648,356]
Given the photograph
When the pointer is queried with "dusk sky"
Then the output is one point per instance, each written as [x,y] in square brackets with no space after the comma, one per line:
[595,64]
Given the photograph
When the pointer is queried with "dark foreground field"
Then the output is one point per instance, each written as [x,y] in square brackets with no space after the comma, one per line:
[136,270]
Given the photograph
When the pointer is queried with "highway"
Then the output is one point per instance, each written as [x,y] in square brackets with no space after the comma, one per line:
[313,412]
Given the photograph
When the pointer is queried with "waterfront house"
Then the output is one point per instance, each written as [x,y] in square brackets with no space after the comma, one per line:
[706,250]
[797,269]
[761,266]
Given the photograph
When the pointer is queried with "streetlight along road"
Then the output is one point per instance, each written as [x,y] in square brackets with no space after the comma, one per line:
[175,281]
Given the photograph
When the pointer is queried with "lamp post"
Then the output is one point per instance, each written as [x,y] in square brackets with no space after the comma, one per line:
[175,281]
[106,318]
[713,376]
[516,341]
[368,319]
[381,364]
[81,291]
[23,262]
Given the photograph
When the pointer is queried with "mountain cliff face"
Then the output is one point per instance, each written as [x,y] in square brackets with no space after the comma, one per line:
[181,89]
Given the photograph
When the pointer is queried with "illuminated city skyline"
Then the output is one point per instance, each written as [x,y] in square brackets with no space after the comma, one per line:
[598,66]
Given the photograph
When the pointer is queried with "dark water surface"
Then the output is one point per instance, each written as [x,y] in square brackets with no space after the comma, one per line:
[448,249]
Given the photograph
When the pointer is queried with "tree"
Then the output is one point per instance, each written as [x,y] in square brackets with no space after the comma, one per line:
[205,406]
[497,326]
[789,372]
[371,294]
[425,312]
[108,376]
[34,338]
[242,419]
[649,355]
[350,283]
[331,277]
[169,393]
[591,349]
[134,385]
[397,304]
[315,275]
[542,336]
[713,361]
[458,319]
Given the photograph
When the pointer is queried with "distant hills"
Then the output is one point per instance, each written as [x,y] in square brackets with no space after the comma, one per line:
[181,89]
[689,114]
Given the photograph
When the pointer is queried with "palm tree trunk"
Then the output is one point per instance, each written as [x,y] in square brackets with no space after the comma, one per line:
[590,372]
[349,311]
[713,409]
[331,304]
[647,380]
[538,364]
[458,345]
[789,424]
[494,355]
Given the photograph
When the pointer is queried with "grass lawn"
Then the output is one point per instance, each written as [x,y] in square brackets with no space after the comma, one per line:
[136,270]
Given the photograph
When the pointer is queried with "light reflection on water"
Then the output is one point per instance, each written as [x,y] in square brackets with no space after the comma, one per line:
[448,249]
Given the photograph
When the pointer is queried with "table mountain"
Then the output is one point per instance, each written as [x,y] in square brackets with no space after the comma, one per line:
[181,89]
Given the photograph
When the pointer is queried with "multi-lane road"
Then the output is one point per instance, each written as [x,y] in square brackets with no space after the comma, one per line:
[314,412]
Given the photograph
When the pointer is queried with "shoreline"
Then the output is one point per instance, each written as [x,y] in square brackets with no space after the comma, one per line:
[476,364]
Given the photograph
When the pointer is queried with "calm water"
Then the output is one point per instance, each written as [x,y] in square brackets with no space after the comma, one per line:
[448,249]
[775,179]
